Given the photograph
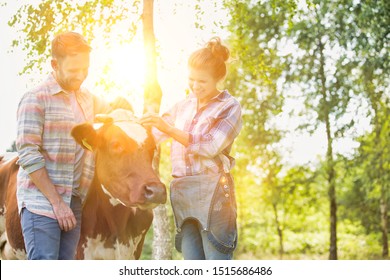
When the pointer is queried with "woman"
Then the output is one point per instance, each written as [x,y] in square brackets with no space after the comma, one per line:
[203,128]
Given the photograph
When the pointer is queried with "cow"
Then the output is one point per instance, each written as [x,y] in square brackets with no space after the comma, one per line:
[117,210]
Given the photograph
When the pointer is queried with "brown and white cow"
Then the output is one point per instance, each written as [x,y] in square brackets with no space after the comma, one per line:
[117,211]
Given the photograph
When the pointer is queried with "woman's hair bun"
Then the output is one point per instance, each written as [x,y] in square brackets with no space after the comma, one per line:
[218,49]
[213,57]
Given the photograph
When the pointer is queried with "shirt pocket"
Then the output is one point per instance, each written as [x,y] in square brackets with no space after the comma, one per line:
[57,141]
[57,124]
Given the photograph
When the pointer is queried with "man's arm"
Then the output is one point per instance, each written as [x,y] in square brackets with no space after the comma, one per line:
[31,119]
[62,211]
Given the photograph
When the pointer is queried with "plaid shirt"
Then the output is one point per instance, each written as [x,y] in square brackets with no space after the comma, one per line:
[45,119]
[212,131]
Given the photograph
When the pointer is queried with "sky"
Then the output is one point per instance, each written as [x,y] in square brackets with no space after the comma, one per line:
[176,38]
[13,86]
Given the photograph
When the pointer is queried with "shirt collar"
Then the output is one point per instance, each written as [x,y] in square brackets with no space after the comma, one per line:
[53,86]
[223,96]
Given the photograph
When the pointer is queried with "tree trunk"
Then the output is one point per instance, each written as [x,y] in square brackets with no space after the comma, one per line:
[331,173]
[152,100]
[380,172]
[333,208]
[152,92]
[162,244]
[280,231]
[384,218]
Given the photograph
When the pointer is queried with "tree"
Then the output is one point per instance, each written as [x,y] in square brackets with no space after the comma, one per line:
[12,148]
[152,101]
[324,84]
[340,53]
[361,198]
[367,34]
[256,29]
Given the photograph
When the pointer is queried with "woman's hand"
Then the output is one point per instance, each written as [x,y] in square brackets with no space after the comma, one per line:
[162,125]
[157,122]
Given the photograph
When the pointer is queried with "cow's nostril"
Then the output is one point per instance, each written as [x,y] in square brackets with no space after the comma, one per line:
[148,191]
[155,192]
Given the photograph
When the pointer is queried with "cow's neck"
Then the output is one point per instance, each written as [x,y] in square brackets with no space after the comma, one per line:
[112,213]
[110,232]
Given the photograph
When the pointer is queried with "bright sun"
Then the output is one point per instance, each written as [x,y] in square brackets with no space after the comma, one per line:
[128,63]
[119,71]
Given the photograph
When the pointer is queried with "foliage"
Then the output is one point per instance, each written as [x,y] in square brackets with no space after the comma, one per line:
[12,148]
[37,23]
[369,42]
[255,29]
[330,64]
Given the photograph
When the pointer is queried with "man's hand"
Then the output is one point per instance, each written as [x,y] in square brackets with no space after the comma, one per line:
[65,217]
[63,213]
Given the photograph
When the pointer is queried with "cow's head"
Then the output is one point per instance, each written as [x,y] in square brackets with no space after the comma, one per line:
[124,152]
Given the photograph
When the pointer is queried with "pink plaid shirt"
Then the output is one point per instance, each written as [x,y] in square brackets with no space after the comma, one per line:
[212,132]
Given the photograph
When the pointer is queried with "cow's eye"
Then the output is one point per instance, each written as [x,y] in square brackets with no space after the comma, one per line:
[116,147]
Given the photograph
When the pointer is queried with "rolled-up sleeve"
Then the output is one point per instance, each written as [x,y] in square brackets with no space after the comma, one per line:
[224,128]
[30,119]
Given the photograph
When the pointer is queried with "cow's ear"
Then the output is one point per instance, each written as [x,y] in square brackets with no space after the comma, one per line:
[85,135]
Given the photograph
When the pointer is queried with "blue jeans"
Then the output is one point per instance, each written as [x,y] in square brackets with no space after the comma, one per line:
[43,238]
[195,244]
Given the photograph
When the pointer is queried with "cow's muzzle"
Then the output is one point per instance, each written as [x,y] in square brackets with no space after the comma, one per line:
[155,193]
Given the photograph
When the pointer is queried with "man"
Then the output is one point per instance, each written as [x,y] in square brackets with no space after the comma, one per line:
[55,172]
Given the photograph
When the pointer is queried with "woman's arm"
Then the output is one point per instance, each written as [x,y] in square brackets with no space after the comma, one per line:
[222,132]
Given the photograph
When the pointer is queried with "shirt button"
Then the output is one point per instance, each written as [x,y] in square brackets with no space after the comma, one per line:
[187,167]
[227,195]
